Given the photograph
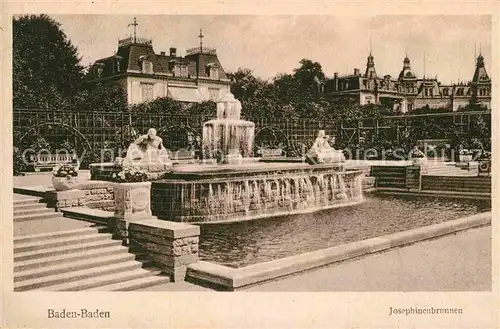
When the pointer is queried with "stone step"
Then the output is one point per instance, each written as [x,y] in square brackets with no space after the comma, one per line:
[67,249]
[30,206]
[38,211]
[60,241]
[90,215]
[25,218]
[103,280]
[75,276]
[37,262]
[135,284]
[71,266]
[59,234]
[27,201]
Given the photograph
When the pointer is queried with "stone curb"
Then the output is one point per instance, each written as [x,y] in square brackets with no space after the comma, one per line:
[236,278]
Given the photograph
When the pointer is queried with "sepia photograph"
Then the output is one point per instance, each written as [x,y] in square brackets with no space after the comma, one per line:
[232,154]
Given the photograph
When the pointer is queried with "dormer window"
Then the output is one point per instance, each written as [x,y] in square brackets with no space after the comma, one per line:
[147,67]
[213,71]
[180,70]
[445,92]
[146,64]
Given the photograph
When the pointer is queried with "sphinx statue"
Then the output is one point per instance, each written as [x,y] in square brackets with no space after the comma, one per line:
[322,152]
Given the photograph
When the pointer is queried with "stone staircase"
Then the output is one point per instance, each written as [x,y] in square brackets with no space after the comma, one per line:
[85,258]
[464,184]
[449,169]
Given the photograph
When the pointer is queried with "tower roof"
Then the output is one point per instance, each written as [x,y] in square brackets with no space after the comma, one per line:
[370,67]
[406,72]
[480,74]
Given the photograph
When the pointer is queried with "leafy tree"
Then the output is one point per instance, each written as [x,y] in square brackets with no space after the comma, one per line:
[207,108]
[101,98]
[245,84]
[46,65]
[428,110]
[163,105]
[309,77]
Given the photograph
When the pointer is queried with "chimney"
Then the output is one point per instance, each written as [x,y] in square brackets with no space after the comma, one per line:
[162,53]
[335,75]
[356,71]
[173,52]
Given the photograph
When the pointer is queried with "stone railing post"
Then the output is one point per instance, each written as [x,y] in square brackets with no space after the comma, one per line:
[171,246]
[132,204]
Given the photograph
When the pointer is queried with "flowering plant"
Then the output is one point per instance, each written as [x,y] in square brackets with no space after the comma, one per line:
[67,171]
[130,175]
[416,153]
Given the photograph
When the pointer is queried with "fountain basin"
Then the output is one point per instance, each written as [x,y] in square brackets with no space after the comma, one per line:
[203,194]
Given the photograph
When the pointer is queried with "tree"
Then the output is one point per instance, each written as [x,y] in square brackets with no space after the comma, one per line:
[245,84]
[101,98]
[309,76]
[164,105]
[46,65]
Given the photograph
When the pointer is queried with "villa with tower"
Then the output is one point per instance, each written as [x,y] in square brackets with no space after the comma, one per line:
[406,92]
[146,75]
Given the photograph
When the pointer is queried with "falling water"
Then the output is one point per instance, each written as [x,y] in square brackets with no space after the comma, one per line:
[228,133]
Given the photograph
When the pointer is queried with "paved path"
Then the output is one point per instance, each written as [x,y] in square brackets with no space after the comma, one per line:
[459,262]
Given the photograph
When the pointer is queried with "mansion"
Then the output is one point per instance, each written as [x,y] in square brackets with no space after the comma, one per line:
[145,75]
[407,92]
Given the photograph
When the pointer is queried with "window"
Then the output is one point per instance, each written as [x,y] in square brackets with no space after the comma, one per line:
[184,71]
[147,67]
[213,94]
[177,71]
[445,92]
[147,92]
[214,73]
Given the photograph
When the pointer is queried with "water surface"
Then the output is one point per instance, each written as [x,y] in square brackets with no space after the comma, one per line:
[245,243]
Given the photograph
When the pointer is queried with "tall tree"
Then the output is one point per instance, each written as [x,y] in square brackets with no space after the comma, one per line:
[46,65]
[245,84]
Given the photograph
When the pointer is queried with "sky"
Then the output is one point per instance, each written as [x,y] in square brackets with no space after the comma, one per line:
[269,45]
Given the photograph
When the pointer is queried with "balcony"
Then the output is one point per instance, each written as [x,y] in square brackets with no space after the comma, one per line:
[199,50]
[130,40]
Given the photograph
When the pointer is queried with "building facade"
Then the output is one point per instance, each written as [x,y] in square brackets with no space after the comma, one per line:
[145,75]
[407,92]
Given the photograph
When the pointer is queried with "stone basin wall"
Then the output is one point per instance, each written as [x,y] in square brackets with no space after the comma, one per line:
[201,198]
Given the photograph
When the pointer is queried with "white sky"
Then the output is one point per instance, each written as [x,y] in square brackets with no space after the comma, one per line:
[274,44]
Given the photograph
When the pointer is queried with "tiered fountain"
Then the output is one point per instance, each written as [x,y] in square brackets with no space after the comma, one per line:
[227,137]
[239,188]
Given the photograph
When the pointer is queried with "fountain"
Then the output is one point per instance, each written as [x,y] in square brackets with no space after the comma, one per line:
[240,188]
[228,137]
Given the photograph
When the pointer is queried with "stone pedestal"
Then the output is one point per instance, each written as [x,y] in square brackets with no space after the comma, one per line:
[132,204]
[171,246]
[65,199]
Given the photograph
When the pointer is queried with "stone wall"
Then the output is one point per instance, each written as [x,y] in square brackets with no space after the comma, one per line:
[279,192]
[65,199]
[95,195]
[171,246]
[457,184]
[100,197]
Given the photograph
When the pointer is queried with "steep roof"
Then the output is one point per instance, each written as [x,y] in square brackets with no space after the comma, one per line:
[480,74]
[129,55]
